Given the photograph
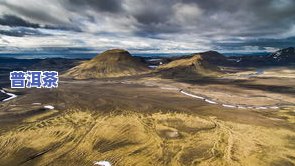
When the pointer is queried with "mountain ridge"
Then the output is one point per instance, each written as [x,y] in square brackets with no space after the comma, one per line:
[111,63]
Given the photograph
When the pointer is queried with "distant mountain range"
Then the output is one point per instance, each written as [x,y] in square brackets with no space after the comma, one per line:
[279,58]
[117,63]
[286,55]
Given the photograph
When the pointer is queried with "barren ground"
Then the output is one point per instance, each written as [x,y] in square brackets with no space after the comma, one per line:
[147,121]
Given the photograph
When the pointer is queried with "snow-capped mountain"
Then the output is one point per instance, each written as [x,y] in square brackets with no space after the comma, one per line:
[286,55]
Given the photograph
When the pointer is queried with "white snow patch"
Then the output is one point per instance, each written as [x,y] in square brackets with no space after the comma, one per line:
[199,97]
[241,107]
[49,107]
[264,108]
[36,103]
[156,59]
[274,107]
[210,101]
[279,53]
[230,106]
[102,163]
[191,95]
[152,66]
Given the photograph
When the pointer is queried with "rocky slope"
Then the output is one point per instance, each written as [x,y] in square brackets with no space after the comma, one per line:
[111,63]
[202,64]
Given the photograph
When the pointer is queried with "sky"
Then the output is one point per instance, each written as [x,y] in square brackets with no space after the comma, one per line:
[147,26]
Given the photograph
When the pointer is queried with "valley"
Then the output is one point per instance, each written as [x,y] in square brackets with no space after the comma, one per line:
[180,116]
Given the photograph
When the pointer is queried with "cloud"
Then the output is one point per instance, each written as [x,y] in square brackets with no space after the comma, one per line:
[112,6]
[17,33]
[11,20]
[22,31]
[185,13]
[160,25]
[36,11]
[14,21]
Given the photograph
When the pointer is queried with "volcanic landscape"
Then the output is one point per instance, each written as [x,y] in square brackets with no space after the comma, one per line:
[199,109]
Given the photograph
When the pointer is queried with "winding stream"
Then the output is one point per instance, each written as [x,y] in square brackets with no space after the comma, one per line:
[227,105]
[12,96]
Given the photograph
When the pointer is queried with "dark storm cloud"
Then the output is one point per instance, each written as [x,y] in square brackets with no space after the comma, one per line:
[98,5]
[38,14]
[160,16]
[221,23]
[13,21]
[21,32]
[151,12]
[224,17]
